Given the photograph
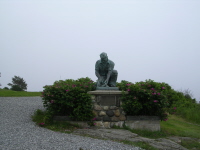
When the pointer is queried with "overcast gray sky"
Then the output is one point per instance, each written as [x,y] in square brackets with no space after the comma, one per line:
[48,40]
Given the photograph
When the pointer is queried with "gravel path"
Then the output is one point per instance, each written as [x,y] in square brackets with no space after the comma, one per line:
[17,131]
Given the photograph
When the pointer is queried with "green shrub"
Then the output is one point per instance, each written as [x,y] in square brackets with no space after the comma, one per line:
[188,110]
[6,88]
[123,85]
[16,88]
[184,106]
[153,98]
[145,98]
[69,98]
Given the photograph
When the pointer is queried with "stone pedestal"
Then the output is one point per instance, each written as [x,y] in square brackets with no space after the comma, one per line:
[151,123]
[106,107]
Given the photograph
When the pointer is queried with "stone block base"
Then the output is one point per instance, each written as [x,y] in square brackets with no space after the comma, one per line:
[151,123]
[106,107]
[101,124]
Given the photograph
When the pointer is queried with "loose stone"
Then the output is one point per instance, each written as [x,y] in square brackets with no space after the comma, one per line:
[122,118]
[115,118]
[97,107]
[102,113]
[99,119]
[110,113]
[118,124]
[99,124]
[106,124]
[105,108]
[117,113]
[106,118]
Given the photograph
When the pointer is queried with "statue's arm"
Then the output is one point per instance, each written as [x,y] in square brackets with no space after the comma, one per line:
[97,70]
[111,67]
[97,74]
[108,76]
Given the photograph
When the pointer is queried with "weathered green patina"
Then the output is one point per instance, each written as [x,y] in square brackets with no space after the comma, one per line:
[104,70]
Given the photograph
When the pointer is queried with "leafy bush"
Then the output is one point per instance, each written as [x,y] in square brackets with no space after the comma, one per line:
[69,98]
[145,98]
[6,88]
[185,106]
[153,98]
[16,88]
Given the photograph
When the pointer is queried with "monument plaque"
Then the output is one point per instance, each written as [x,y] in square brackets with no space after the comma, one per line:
[107,100]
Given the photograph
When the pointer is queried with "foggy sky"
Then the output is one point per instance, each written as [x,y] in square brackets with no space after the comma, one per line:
[48,40]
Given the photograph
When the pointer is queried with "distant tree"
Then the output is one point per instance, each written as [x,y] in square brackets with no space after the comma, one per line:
[18,84]
[188,95]
[6,88]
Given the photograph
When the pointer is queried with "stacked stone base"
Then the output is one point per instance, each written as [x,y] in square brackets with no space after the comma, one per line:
[106,107]
[151,123]
[102,124]
[108,116]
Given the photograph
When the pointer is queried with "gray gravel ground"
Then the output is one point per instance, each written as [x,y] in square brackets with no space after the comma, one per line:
[17,131]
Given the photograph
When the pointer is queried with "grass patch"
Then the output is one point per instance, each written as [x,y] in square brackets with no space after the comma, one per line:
[191,114]
[150,134]
[10,93]
[177,126]
[60,126]
[146,133]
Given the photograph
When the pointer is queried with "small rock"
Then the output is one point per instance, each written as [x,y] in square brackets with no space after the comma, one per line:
[97,107]
[105,108]
[122,118]
[106,124]
[102,113]
[117,113]
[106,118]
[99,118]
[110,113]
[99,124]
[115,118]
[118,124]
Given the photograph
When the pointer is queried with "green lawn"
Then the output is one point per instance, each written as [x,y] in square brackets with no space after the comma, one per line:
[10,93]
[177,126]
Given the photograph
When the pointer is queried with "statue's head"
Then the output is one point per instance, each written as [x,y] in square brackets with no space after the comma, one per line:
[104,57]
